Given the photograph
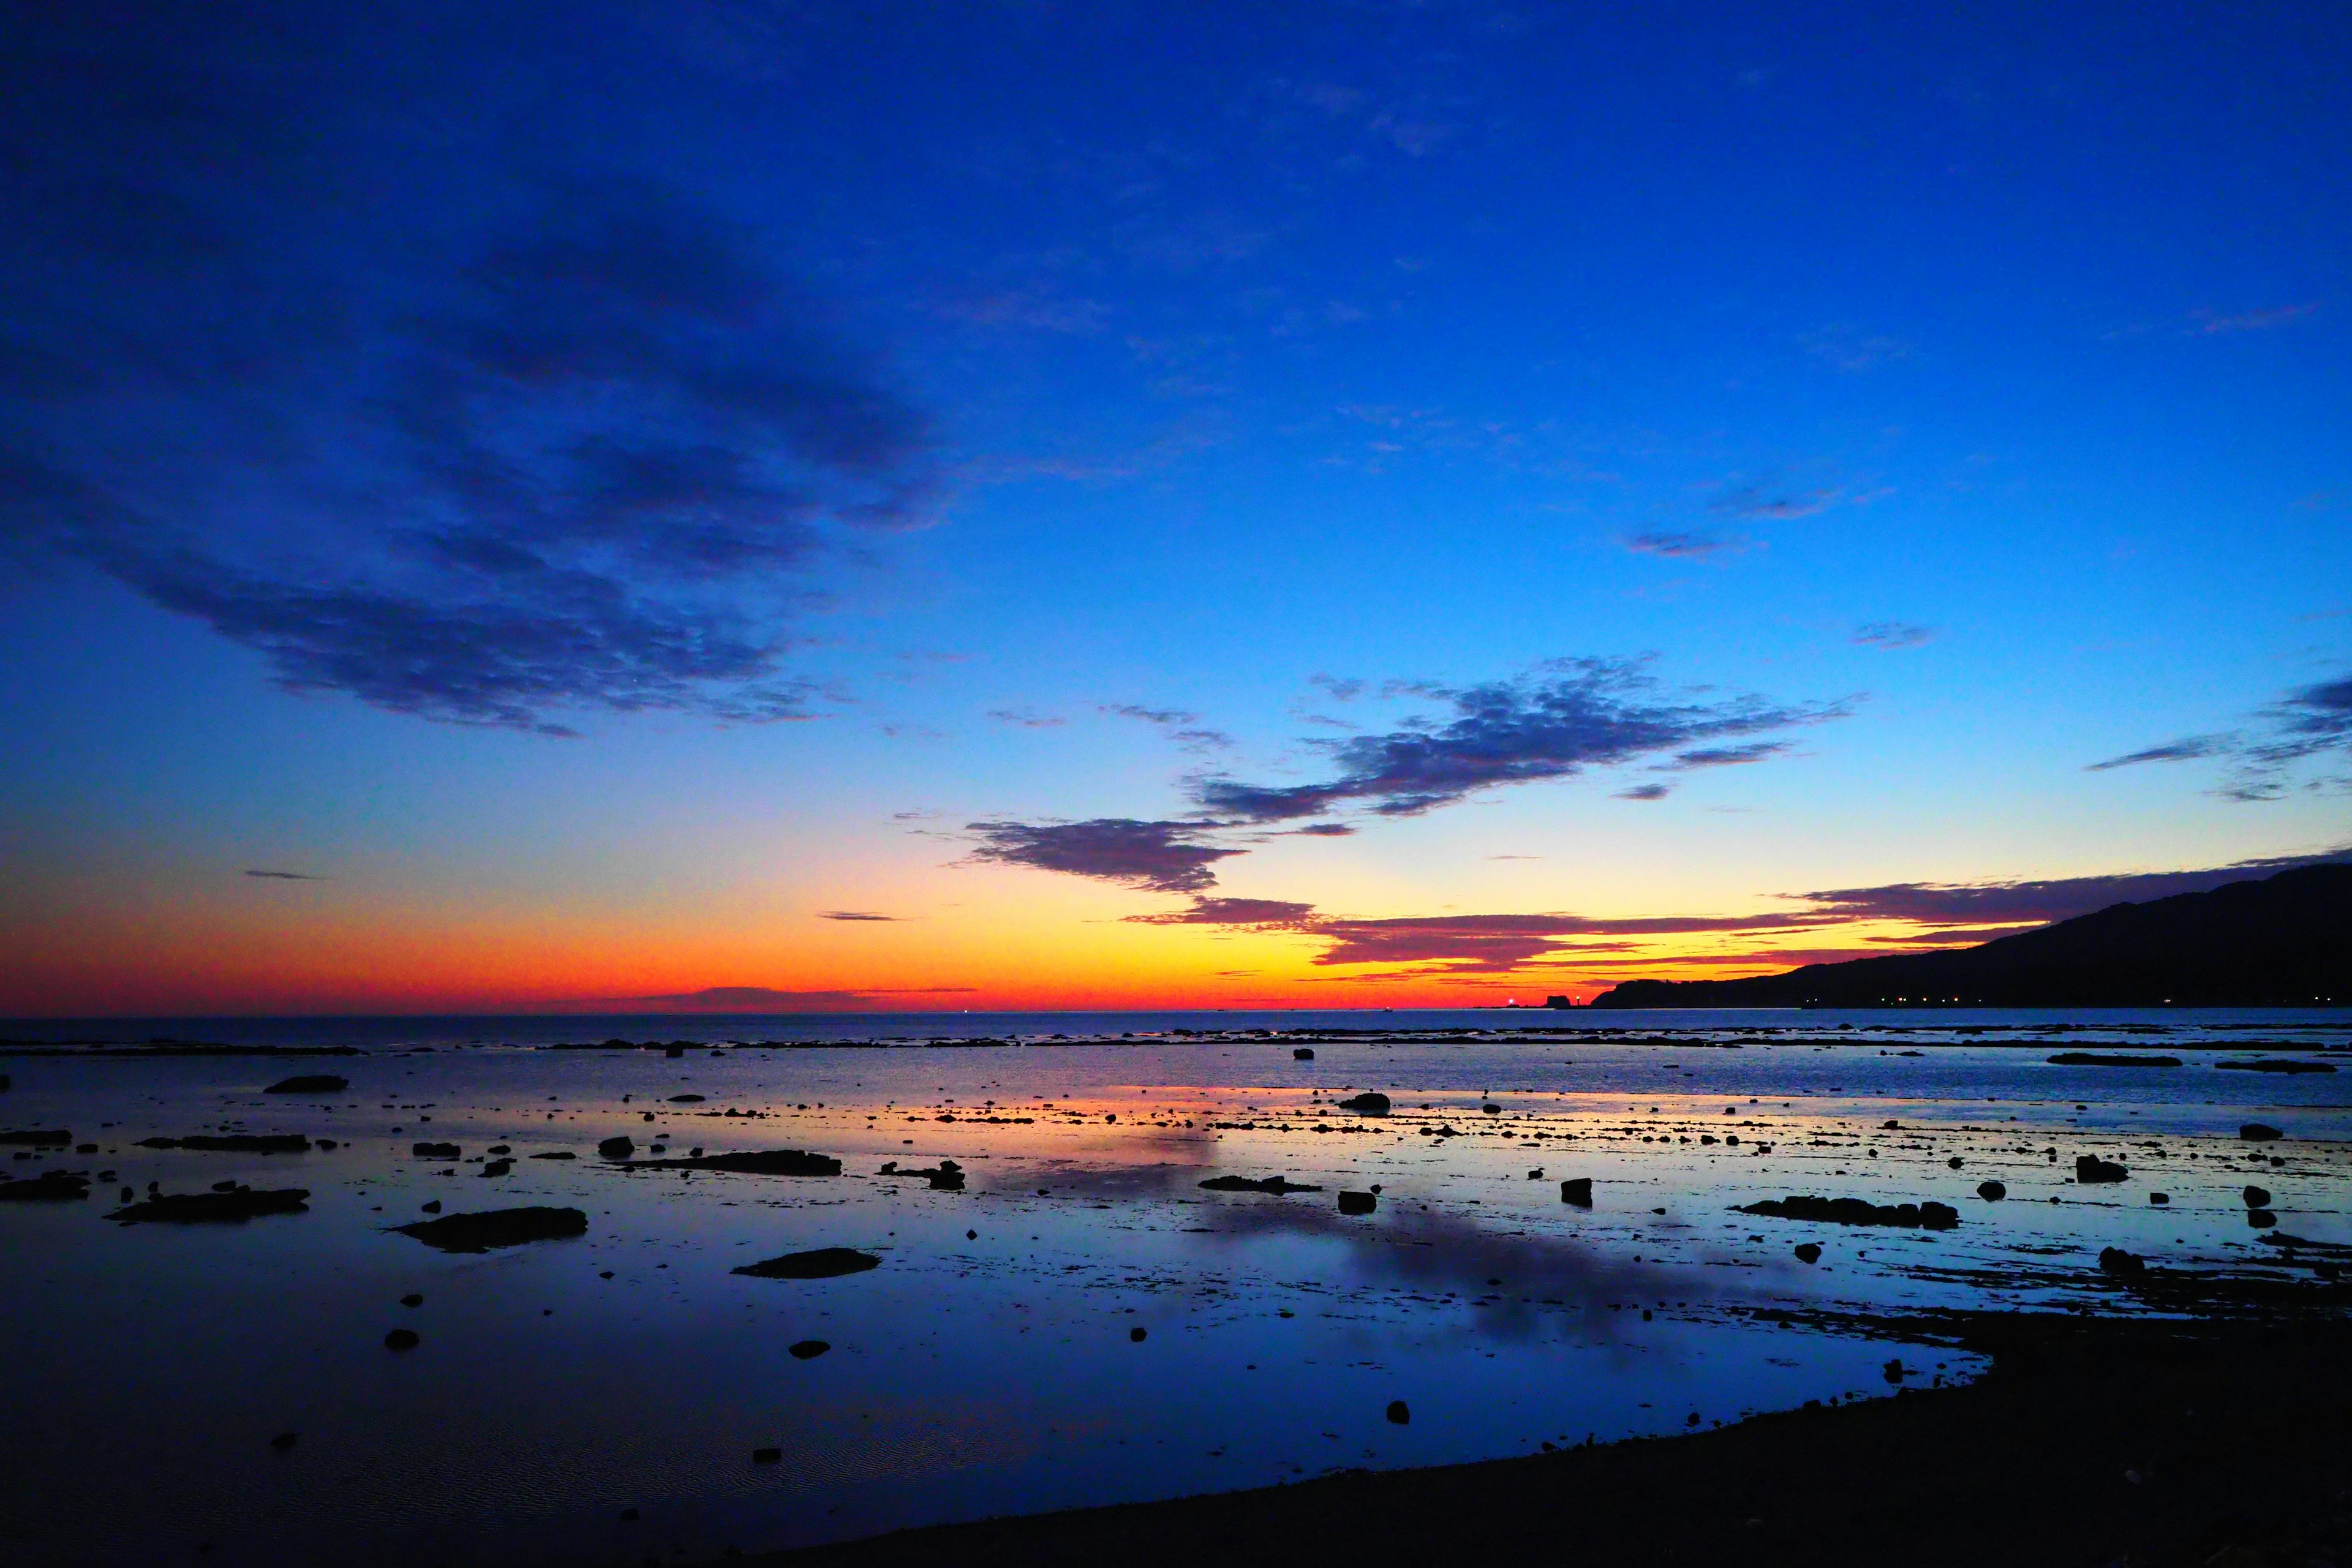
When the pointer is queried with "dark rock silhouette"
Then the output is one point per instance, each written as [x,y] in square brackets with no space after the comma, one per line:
[235,1144]
[1358,1202]
[2124,1265]
[49,1187]
[1275,1185]
[208,1208]
[619,1148]
[496,1228]
[2279,940]
[2260,1219]
[556,1154]
[1136,1336]
[435,1151]
[947,1176]
[1398,1414]
[1369,1104]
[2095,1059]
[2090,1169]
[1577,1190]
[2274,1064]
[1302,1055]
[1856,1211]
[2258,1133]
[38,1139]
[284,1440]
[496,1167]
[1991,1192]
[686,1099]
[758,1456]
[412,1298]
[310,1083]
[823,1263]
[809,1350]
[2257,1197]
[1809,1252]
[403,1339]
[757,1162]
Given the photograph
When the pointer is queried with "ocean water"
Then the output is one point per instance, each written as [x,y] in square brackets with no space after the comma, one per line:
[992,1362]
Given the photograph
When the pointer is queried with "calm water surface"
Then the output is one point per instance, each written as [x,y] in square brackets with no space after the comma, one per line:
[989,1364]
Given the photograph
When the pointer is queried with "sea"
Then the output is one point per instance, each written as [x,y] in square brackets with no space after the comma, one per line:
[1066,1316]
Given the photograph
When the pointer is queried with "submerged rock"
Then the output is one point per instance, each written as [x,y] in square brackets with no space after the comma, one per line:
[2090,1169]
[1991,1192]
[1358,1202]
[496,1167]
[2124,1265]
[758,1456]
[823,1263]
[1577,1190]
[310,1083]
[49,1187]
[204,1208]
[1369,1104]
[235,1144]
[2260,1219]
[2258,1133]
[809,1350]
[1856,1211]
[496,1228]
[757,1162]
[1275,1184]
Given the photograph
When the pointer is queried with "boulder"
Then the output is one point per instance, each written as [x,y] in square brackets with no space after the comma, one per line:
[1275,1184]
[496,1228]
[1136,1336]
[403,1339]
[619,1148]
[823,1263]
[37,1140]
[1398,1413]
[755,1163]
[1577,1190]
[2260,1219]
[2089,1169]
[1302,1055]
[435,1151]
[207,1208]
[1369,1103]
[495,1167]
[1925,1215]
[1991,1192]
[310,1083]
[2124,1265]
[49,1187]
[1809,1252]
[809,1350]
[556,1154]
[2258,1133]
[2258,1197]
[1358,1202]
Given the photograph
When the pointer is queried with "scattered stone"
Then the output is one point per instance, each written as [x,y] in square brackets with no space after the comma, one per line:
[235,1144]
[1491,1109]
[1928,1215]
[2124,1265]
[496,1228]
[1536,1175]
[204,1208]
[495,1167]
[1358,1202]
[2090,1169]
[37,1140]
[556,1154]
[310,1083]
[412,1298]
[1809,1252]
[757,1163]
[2258,1133]
[809,1350]
[49,1187]
[435,1150]
[403,1339]
[1369,1103]
[500,1149]
[1275,1184]
[617,1148]
[1577,1190]
[2159,1199]
[1991,1192]
[1302,1055]
[1892,1370]
[686,1099]
[824,1262]
[433,1207]
[1135,1336]
[2095,1059]
[2260,1219]
[2258,1197]
[1954,1161]
[947,1176]
[1398,1413]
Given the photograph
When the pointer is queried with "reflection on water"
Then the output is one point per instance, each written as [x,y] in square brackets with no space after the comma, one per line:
[1082,1321]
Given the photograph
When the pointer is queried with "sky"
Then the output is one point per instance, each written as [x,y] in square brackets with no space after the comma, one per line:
[1028,505]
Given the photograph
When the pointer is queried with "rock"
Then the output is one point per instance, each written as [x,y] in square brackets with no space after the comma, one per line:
[2090,1169]
[1358,1202]
[1927,1215]
[310,1083]
[2094,1059]
[1954,1161]
[2258,1133]
[500,1149]
[49,1187]
[495,1167]
[686,1099]
[2274,1065]
[2124,1265]
[1577,1190]
[2159,1199]
[412,1300]
[283,1441]
[435,1150]
[2260,1219]
[496,1228]
[433,1207]
[38,1139]
[619,1148]
[1892,1370]
[1809,1252]
[1491,1109]
[206,1208]
[1369,1104]
[1135,1336]
[403,1339]
[1275,1184]
[556,1154]
[809,1350]
[235,1144]
[1398,1413]
[824,1262]
[758,1456]
[2258,1197]
[1536,1175]
[326,1144]
[1991,1192]
[1302,1055]
[757,1163]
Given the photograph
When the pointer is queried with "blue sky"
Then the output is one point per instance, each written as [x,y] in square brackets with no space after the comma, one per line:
[598,487]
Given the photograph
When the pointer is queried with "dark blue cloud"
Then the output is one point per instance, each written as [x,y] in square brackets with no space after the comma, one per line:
[297,348]
[1569,716]
[1164,856]
[2310,722]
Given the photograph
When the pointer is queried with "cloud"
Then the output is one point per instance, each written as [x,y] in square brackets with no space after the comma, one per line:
[855,915]
[286,876]
[1893,635]
[1730,756]
[2307,722]
[1325,830]
[2058,898]
[1498,944]
[497,445]
[1163,857]
[1185,728]
[762,999]
[1338,689]
[1026,718]
[2210,323]
[1687,546]
[1773,501]
[1645,792]
[1851,350]
[1567,716]
[1257,914]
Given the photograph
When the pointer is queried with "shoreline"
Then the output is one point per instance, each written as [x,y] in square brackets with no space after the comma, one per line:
[2149,1442]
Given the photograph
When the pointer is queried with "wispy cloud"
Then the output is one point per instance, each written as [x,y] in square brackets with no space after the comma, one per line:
[1688,546]
[1563,717]
[1163,857]
[1853,351]
[285,876]
[2211,322]
[1893,635]
[2309,723]
[1775,502]
[1026,719]
[854,915]
[1185,728]
[2183,751]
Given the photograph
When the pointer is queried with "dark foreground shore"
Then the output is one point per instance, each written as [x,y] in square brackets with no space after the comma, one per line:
[2090,1442]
